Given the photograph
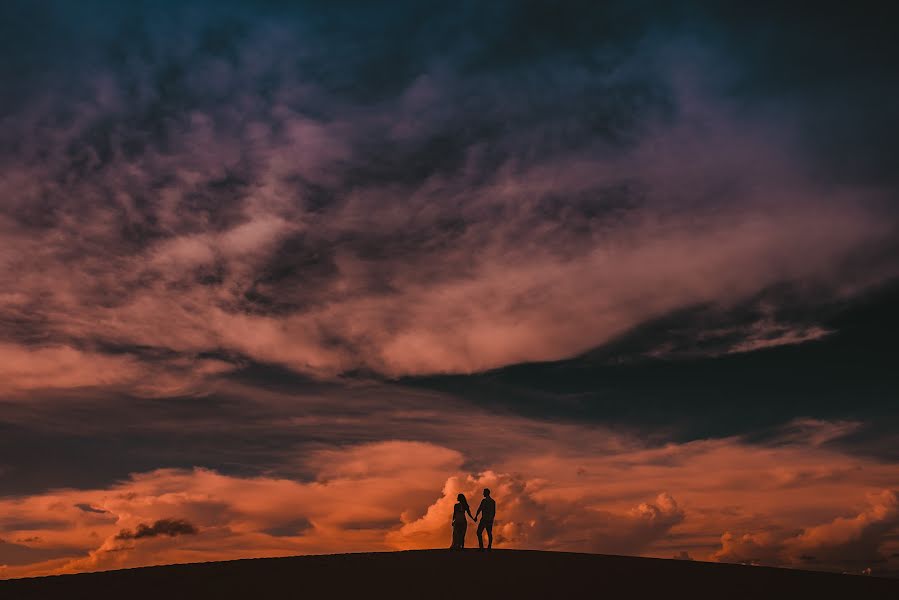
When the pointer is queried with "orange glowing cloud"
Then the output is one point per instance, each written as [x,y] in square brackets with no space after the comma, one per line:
[714,500]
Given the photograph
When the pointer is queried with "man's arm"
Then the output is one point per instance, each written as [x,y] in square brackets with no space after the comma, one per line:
[480,508]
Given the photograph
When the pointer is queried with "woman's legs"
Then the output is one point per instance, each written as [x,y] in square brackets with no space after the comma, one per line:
[459,536]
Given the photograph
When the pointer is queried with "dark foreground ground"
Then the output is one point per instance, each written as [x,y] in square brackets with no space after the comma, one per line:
[444,574]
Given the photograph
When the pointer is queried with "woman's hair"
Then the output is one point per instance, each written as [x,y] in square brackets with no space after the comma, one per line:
[461,498]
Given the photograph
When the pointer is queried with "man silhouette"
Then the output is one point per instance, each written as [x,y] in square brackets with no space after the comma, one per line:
[488,508]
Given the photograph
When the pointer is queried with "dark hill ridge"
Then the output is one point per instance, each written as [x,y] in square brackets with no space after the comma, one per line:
[496,575]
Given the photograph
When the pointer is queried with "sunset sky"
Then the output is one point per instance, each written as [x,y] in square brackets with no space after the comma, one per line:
[284,278]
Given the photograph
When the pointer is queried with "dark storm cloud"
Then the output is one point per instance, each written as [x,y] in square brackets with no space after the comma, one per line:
[162,527]
[98,441]
[353,189]
[835,66]
[401,190]
[8,523]
[21,554]
[416,190]
[291,528]
[682,375]
[90,509]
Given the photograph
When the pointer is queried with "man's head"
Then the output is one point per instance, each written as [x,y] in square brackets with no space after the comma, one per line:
[486,493]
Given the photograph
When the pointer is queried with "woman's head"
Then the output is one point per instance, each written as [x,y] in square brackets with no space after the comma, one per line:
[461,498]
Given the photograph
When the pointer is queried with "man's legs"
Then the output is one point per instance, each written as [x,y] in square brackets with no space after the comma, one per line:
[487,526]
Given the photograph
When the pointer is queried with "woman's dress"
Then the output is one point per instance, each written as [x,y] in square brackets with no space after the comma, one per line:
[460,526]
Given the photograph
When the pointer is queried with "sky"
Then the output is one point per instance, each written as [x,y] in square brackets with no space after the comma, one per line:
[284,278]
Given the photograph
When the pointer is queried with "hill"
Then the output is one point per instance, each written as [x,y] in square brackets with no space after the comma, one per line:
[445,574]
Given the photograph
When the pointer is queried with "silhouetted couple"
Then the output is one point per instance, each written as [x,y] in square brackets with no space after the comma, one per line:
[487,512]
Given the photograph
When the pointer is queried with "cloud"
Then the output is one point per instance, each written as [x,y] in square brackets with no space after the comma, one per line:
[766,332]
[15,554]
[359,496]
[464,221]
[575,489]
[855,542]
[365,509]
[860,538]
[291,528]
[750,548]
[525,522]
[25,369]
[169,527]
[185,194]
[88,508]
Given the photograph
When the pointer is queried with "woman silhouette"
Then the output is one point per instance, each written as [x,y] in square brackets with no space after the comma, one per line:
[460,525]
